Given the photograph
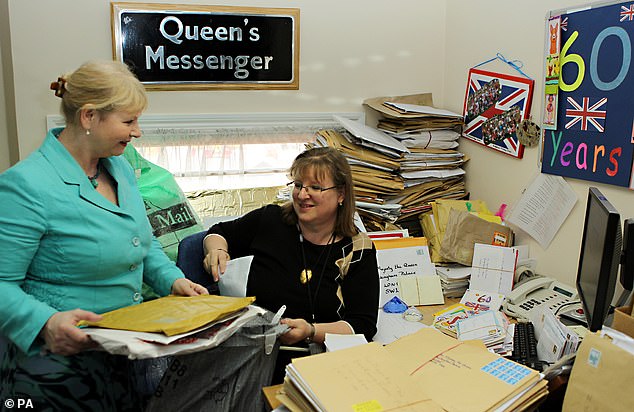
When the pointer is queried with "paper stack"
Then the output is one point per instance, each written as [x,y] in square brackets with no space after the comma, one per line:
[454,279]
[491,327]
[431,167]
[419,372]
[396,173]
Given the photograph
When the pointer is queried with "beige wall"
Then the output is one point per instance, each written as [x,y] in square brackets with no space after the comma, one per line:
[350,50]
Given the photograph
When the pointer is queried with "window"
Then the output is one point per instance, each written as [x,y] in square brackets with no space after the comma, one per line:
[227,151]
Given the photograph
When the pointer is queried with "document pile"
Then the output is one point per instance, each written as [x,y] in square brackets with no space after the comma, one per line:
[554,339]
[396,176]
[454,279]
[419,372]
[446,319]
[171,325]
[491,327]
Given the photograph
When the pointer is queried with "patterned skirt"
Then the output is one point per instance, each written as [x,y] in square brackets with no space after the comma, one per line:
[94,381]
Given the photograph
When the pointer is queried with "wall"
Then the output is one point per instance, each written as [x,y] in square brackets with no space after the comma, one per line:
[350,50]
[476,31]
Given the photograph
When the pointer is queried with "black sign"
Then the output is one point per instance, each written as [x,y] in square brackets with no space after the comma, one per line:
[213,47]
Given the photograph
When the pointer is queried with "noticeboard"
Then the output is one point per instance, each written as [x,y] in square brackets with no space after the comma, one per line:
[588,118]
[189,47]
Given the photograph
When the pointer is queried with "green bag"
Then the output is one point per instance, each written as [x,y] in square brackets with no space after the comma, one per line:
[168,210]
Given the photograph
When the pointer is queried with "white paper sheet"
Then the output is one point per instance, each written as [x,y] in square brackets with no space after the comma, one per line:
[543,207]
[391,326]
[234,281]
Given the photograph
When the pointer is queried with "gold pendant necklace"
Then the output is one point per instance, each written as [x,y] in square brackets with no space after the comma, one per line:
[305,276]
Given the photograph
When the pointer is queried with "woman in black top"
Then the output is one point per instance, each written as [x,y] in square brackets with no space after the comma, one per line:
[308,254]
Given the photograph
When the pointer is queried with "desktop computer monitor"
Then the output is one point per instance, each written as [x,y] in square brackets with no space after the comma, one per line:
[601,254]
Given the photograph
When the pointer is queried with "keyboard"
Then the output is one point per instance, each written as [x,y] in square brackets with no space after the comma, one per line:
[525,346]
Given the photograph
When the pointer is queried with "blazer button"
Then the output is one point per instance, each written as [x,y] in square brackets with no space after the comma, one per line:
[132,267]
[136,297]
[136,241]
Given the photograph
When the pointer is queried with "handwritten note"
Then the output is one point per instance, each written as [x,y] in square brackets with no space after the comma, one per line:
[401,257]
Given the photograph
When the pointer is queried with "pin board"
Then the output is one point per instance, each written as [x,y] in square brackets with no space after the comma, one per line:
[588,119]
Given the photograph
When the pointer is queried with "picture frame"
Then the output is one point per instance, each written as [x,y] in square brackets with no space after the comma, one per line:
[494,106]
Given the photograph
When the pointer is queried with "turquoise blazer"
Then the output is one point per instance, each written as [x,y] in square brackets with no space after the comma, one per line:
[64,246]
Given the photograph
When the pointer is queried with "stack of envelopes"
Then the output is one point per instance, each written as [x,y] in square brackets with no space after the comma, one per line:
[397,175]
[424,371]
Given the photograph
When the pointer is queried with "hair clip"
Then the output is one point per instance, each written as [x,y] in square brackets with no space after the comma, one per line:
[59,86]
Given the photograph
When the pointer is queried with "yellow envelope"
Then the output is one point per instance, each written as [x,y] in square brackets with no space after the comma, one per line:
[171,314]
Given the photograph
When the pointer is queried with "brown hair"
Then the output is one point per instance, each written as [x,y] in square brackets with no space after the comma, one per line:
[105,86]
[326,161]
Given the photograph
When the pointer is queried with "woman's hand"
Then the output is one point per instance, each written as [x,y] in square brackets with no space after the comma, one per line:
[63,337]
[216,262]
[185,287]
[299,330]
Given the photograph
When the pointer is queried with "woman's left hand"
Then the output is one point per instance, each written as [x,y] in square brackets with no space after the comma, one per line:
[299,330]
[185,287]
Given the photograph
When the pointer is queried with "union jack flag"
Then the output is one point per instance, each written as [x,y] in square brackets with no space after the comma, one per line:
[564,24]
[515,92]
[627,13]
[586,114]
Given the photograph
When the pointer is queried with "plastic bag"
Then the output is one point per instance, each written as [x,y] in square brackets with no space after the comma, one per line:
[168,210]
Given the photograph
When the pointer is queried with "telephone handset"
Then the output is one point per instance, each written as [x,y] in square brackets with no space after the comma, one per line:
[535,292]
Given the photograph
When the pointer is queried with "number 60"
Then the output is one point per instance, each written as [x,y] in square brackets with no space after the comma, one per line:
[594,74]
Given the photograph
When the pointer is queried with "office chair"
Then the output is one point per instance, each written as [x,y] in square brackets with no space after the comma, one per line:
[190,260]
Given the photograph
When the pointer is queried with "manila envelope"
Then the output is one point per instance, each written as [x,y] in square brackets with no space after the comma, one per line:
[600,377]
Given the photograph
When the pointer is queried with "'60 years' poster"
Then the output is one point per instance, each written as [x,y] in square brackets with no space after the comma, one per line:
[594,135]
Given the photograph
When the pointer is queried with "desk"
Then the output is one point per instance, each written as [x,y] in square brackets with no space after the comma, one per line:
[429,310]
[428,318]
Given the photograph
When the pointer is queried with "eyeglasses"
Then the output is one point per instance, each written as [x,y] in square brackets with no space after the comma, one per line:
[311,189]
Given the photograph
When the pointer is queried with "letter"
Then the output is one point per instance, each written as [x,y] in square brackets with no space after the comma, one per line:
[254,34]
[185,63]
[256,62]
[555,146]
[154,56]
[172,62]
[582,165]
[597,150]
[565,151]
[207,33]
[235,33]
[165,221]
[241,73]
[228,60]
[267,60]
[174,38]
[212,62]
[198,62]
[221,33]
[189,35]
[612,173]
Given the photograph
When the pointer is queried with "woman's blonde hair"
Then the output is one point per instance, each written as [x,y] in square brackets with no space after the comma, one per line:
[105,86]
[322,162]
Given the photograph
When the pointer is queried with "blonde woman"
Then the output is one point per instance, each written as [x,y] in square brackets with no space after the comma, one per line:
[76,242]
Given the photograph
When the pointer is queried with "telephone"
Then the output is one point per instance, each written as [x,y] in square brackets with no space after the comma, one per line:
[536,291]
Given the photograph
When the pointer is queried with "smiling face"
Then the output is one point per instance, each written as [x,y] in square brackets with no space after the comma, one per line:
[113,131]
[316,208]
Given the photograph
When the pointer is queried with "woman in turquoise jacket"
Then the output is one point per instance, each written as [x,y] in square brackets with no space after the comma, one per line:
[75,241]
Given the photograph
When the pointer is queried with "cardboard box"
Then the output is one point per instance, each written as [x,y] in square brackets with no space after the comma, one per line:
[623,320]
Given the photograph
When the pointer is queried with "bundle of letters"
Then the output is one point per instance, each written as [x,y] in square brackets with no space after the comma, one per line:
[419,372]
[397,174]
